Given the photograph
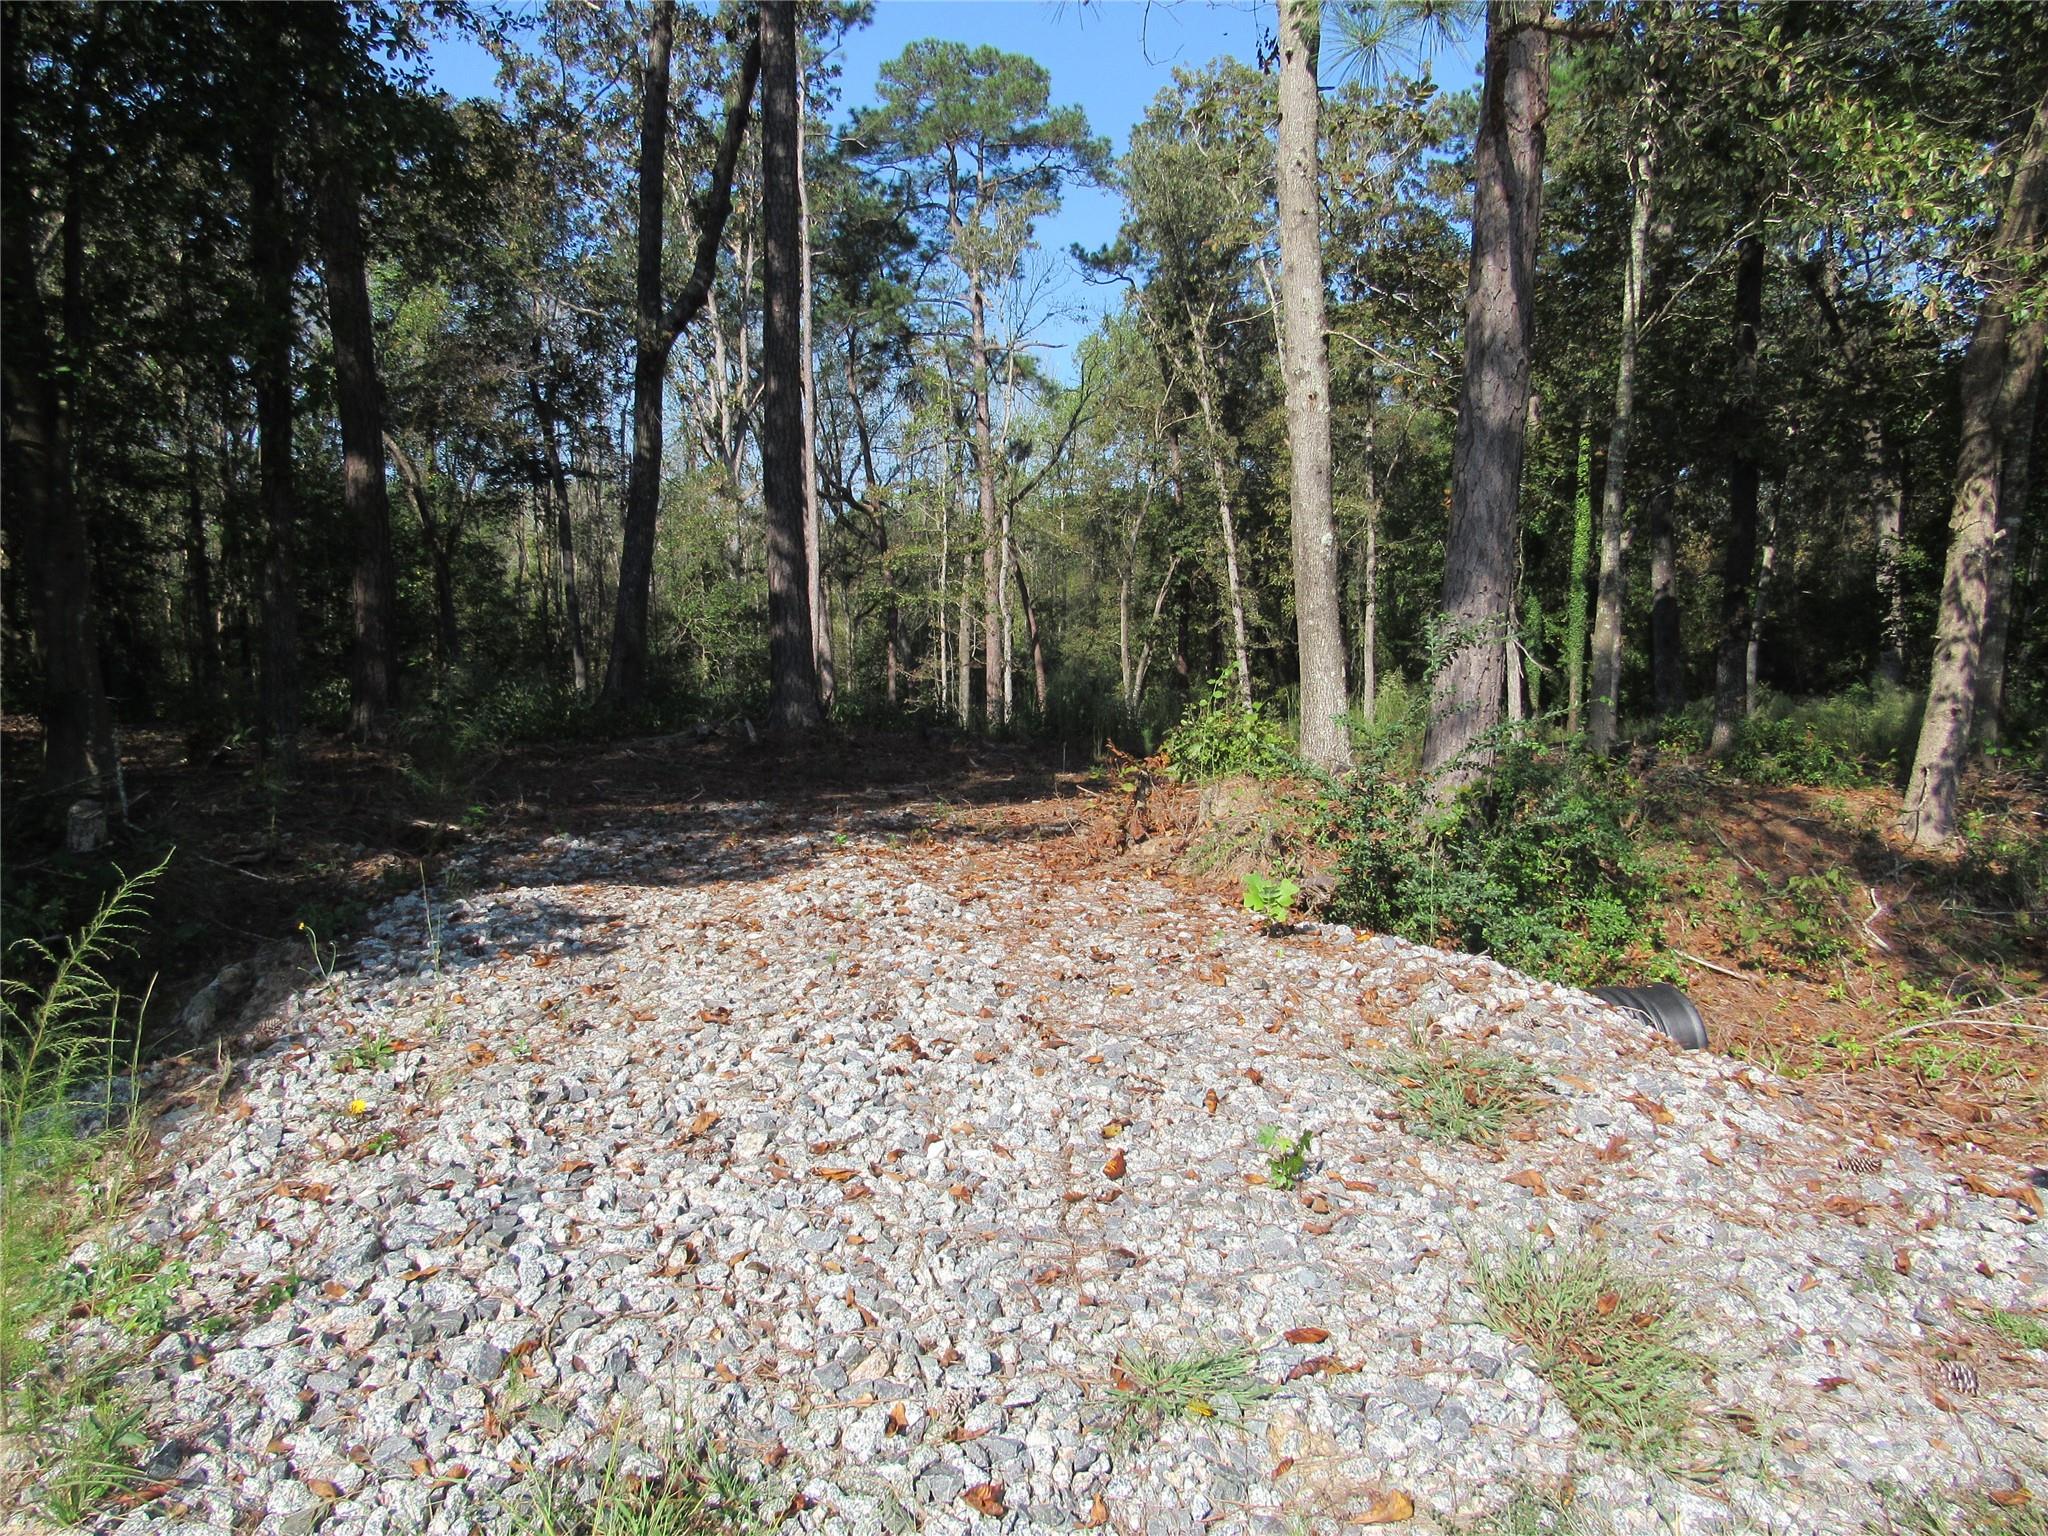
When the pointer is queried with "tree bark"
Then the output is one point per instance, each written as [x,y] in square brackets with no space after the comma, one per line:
[1767,565]
[78,743]
[1040,692]
[1240,645]
[204,632]
[2015,485]
[1738,561]
[656,329]
[1603,709]
[1305,362]
[814,523]
[993,671]
[439,535]
[272,258]
[1998,373]
[373,587]
[1667,649]
[792,585]
[565,536]
[1469,690]
[1576,627]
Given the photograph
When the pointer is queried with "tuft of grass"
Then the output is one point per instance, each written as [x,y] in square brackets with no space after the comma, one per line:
[1965,1514]
[1195,1384]
[692,1490]
[1609,1343]
[1531,1512]
[94,1458]
[2021,1328]
[371,1055]
[1463,1095]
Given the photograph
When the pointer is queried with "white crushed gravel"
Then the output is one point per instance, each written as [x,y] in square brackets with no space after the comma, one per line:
[797,1138]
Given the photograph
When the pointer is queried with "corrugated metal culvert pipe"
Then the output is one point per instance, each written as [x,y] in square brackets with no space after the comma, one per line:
[1662,1007]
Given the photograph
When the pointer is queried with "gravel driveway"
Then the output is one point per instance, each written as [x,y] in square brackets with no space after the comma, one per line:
[874,1156]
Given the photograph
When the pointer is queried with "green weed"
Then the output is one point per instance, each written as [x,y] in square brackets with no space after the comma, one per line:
[692,1490]
[1609,1343]
[1465,1095]
[1155,1389]
[367,1055]
[1271,899]
[1284,1169]
[94,1459]
[1531,1512]
[67,1126]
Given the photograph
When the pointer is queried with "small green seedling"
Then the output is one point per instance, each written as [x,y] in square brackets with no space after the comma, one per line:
[1284,1169]
[1271,899]
[367,1055]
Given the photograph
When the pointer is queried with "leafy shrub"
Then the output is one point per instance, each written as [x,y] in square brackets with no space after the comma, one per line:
[1220,737]
[1537,866]
[1784,751]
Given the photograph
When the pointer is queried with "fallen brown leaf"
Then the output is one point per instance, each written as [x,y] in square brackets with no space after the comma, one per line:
[1306,1335]
[987,1498]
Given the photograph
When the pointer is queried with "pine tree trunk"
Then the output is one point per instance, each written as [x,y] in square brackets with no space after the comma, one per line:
[272,259]
[2015,486]
[37,377]
[1603,709]
[1240,645]
[1738,556]
[793,593]
[1305,363]
[1575,628]
[626,674]
[1888,517]
[1667,649]
[656,328]
[993,671]
[1369,623]
[1040,691]
[565,538]
[814,523]
[1467,695]
[204,632]
[1998,373]
[1767,564]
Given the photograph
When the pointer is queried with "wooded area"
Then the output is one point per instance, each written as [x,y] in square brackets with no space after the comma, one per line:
[1695,357]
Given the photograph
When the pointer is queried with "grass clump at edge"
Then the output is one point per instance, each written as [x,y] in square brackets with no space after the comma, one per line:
[1973,1513]
[1457,1095]
[2020,1328]
[1609,1343]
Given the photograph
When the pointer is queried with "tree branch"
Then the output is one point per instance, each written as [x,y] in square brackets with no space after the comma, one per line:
[716,206]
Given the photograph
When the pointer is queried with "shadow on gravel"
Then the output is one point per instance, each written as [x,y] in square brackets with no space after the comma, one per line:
[256,855]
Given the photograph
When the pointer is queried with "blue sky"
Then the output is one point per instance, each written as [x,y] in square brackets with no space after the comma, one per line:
[1110,58]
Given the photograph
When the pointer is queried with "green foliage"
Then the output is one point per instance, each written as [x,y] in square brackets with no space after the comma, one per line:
[1538,866]
[1196,1384]
[1219,737]
[1458,1095]
[95,1459]
[1289,1162]
[1271,898]
[64,1116]
[1961,1514]
[2022,1328]
[1609,1343]
[1782,751]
